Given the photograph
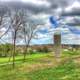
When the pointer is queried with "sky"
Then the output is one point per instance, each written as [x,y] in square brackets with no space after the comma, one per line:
[43,9]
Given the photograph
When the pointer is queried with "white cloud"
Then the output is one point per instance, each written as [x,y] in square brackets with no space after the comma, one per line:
[10,0]
[75,5]
[71,39]
[38,2]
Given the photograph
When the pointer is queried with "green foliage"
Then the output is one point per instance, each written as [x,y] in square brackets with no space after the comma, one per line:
[5,49]
[44,49]
[32,51]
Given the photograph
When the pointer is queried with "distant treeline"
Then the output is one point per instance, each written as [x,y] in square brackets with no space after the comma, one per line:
[7,49]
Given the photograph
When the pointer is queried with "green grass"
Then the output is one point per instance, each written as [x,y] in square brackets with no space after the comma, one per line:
[38,55]
[69,53]
[20,58]
[67,71]
[42,67]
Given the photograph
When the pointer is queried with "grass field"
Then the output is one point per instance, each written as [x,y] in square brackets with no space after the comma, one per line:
[19,58]
[43,67]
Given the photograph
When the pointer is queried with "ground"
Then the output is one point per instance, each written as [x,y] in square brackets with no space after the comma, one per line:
[42,66]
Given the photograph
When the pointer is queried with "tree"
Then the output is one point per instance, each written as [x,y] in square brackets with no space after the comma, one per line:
[15,21]
[29,31]
[4,19]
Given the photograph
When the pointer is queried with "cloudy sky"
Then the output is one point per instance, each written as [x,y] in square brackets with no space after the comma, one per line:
[43,9]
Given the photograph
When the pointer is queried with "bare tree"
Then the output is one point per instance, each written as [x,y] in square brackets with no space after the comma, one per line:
[29,30]
[4,19]
[15,20]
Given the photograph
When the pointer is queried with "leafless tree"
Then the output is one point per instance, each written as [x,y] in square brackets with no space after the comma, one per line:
[15,20]
[29,30]
[4,19]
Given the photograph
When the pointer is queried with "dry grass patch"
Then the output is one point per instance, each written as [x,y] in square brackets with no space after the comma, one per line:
[39,64]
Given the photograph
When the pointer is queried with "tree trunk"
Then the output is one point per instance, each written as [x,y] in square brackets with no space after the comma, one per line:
[25,53]
[25,50]
[14,41]
[11,53]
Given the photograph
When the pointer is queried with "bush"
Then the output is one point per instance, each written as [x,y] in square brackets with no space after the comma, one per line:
[44,49]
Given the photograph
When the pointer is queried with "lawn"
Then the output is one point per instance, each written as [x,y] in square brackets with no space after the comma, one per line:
[66,71]
[20,58]
[42,67]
